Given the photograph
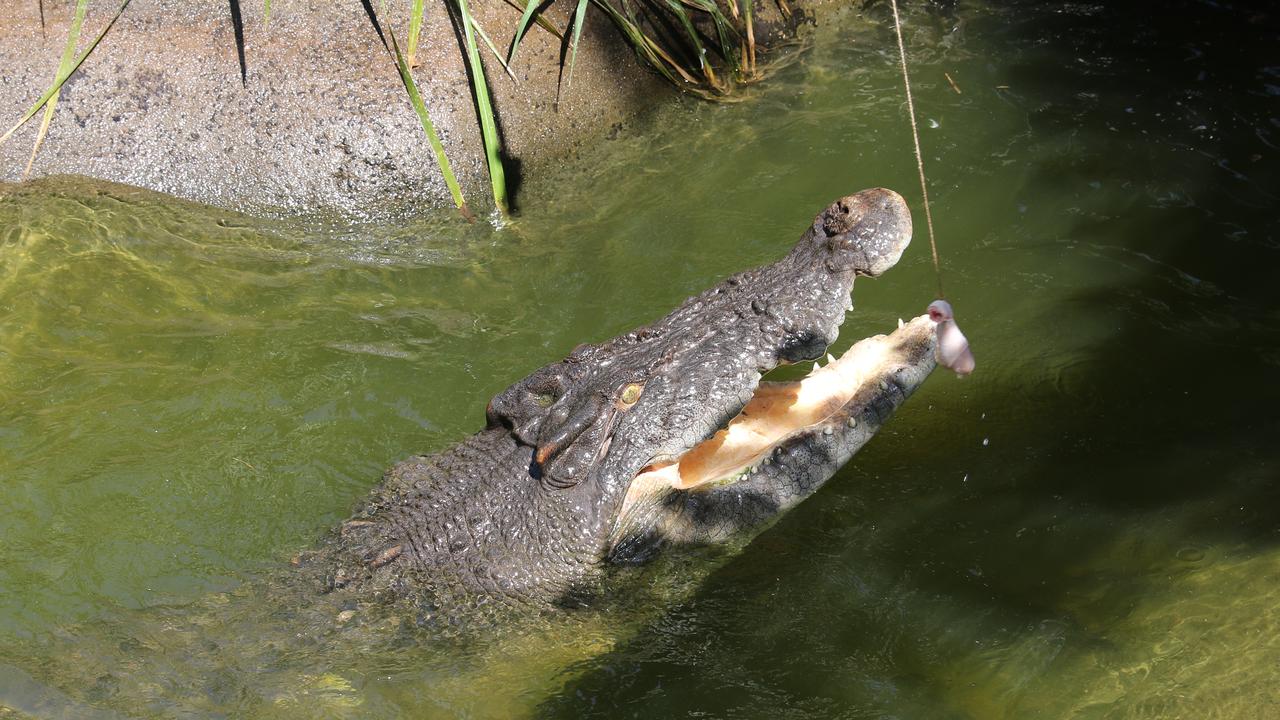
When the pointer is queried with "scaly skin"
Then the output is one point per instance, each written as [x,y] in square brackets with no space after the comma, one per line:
[529,510]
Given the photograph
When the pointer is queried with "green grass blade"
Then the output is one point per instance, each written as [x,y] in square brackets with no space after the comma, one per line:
[57,85]
[529,9]
[683,17]
[484,109]
[578,16]
[266,11]
[634,37]
[437,148]
[415,29]
[648,50]
[64,66]
[539,18]
[724,30]
[493,49]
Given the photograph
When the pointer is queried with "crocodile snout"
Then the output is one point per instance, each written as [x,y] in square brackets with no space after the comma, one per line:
[866,232]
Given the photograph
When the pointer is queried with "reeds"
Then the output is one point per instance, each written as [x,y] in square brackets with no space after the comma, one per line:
[685,41]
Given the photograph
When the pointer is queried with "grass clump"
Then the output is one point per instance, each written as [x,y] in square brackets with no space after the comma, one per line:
[682,40]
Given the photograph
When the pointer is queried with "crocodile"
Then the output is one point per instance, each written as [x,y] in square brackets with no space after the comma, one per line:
[663,437]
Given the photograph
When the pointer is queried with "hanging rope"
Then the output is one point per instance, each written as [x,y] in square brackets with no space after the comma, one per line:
[953,347]
[915,136]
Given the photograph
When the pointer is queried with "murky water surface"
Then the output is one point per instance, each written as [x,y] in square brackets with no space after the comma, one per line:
[1088,527]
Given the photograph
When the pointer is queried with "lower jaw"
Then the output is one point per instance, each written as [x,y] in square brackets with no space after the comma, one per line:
[783,411]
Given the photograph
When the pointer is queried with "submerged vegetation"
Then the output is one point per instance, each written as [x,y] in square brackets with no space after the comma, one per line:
[699,46]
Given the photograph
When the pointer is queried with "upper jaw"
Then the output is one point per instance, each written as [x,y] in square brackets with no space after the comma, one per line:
[861,234]
[864,233]
[794,309]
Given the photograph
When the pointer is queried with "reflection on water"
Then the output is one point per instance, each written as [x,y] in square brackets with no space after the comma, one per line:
[1088,527]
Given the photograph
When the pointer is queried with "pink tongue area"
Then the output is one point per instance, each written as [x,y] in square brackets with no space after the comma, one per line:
[953,346]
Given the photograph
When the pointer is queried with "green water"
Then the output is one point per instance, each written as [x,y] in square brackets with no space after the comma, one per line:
[1088,527]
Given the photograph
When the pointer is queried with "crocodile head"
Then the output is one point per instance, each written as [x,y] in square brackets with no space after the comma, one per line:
[666,434]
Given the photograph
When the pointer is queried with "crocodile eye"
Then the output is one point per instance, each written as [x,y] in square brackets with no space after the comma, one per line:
[631,393]
[544,400]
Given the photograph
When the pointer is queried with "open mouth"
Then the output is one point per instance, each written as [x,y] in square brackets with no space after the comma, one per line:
[831,397]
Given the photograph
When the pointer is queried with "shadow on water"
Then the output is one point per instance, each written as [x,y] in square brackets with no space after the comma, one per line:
[1113,550]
